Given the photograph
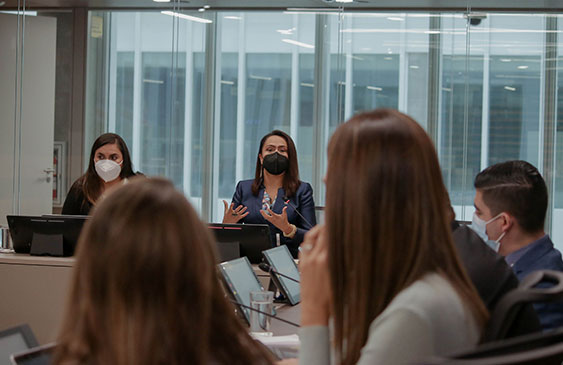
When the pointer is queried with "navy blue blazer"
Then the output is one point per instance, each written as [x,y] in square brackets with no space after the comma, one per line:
[542,256]
[302,200]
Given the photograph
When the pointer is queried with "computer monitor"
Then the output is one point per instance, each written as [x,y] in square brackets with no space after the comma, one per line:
[240,280]
[45,235]
[281,261]
[14,340]
[41,355]
[252,238]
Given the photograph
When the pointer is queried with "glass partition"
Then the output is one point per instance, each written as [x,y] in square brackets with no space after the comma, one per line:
[148,72]
[267,67]
[474,81]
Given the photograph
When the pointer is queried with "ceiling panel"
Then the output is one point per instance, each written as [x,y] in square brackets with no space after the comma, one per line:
[508,5]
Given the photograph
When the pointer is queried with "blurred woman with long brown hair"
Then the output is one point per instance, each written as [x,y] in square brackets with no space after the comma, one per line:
[384,267]
[145,288]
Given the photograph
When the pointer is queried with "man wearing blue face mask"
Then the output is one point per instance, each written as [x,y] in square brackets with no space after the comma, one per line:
[510,208]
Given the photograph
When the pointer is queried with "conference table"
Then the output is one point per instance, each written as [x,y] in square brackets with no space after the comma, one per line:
[34,289]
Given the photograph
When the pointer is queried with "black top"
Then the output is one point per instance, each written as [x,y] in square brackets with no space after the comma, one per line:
[76,202]
[492,277]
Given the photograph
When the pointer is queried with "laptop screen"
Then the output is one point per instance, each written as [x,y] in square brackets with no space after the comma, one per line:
[241,280]
[14,340]
[11,344]
[281,261]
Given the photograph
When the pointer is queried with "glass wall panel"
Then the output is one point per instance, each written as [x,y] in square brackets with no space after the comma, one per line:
[267,69]
[145,82]
[459,126]
[460,142]
[557,223]
[473,81]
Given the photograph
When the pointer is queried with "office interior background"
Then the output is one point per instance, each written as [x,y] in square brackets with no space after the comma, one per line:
[192,86]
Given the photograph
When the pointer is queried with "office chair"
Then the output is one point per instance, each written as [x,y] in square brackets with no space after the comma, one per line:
[539,348]
[543,348]
[507,309]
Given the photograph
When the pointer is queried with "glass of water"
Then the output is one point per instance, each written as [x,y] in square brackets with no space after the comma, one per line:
[5,241]
[262,302]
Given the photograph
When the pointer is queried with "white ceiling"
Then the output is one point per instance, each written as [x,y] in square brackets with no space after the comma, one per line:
[506,5]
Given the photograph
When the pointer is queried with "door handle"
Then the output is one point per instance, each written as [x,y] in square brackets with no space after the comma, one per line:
[49,171]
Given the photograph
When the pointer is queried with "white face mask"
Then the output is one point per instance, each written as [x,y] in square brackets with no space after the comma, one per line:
[480,227]
[108,170]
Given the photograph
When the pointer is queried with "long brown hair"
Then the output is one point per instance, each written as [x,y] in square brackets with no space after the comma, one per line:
[387,226]
[145,288]
[291,180]
[90,182]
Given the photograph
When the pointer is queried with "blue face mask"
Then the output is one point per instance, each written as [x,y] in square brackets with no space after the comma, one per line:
[480,227]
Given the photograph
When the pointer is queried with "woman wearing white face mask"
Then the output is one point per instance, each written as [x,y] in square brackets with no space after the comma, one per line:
[110,165]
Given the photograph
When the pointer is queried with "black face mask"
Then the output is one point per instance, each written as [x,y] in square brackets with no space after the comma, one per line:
[275,163]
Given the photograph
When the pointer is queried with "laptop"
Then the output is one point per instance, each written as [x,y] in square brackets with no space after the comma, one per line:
[252,239]
[14,340]
[240,280]
[281,261]
[41,355]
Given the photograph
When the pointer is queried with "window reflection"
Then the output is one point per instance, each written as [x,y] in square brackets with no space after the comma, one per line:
[490,90]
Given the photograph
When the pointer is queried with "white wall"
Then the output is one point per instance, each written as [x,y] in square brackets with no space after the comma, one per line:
[35,154]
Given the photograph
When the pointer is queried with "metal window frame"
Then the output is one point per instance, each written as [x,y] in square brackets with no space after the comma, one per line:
[549,130]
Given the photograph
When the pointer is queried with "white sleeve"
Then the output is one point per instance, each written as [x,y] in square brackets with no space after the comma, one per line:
[400,338]
[315,345]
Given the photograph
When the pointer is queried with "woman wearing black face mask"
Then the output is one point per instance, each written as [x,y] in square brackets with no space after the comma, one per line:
[275,193]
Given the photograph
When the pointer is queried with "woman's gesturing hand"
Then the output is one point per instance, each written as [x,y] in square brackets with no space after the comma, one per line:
[315,278]
[278,220]
[232,215]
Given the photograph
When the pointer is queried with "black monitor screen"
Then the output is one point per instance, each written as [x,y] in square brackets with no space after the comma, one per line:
[241,280]
[281,261]
[252,238]
[47,230]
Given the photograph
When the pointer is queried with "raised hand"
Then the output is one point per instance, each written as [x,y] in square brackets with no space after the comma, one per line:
[232,215]
[278,220]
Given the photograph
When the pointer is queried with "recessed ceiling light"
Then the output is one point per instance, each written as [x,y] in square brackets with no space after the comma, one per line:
[509,88]
[522,67]
[161,1]
[186,16]
[300,44]
[344,1]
